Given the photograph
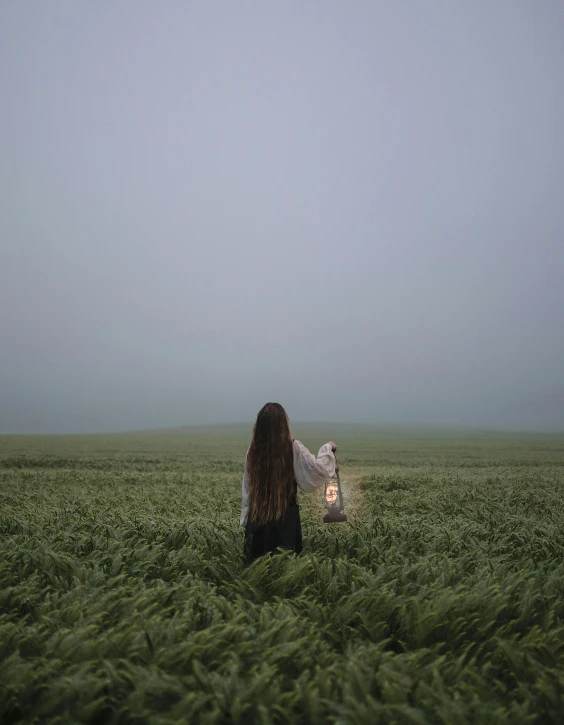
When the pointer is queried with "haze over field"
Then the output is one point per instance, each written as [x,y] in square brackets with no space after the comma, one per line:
[355,209]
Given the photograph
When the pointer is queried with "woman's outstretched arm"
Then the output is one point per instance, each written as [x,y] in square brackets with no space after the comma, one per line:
[312,472]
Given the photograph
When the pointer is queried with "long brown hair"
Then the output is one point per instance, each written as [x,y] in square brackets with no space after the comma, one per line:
[270,465]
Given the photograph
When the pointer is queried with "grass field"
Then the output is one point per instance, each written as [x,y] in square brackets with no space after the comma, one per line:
[124,599]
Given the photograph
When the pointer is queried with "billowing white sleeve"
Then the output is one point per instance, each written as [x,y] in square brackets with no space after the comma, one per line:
[245,497]
[312,472]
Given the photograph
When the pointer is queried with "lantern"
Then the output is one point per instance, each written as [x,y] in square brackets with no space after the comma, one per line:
[334,500]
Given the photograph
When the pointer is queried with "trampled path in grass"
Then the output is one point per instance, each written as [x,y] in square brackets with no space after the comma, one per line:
[124,598]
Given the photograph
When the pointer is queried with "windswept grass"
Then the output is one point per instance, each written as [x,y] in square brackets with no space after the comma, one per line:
[124,599]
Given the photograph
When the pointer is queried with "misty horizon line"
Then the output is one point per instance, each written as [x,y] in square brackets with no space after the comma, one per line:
[382,426]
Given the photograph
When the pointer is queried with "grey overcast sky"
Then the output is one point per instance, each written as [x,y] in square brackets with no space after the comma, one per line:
[353,208]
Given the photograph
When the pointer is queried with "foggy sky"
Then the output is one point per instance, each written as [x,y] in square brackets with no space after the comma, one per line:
[355,209]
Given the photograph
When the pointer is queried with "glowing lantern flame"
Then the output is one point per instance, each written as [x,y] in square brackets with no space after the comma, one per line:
[331,493]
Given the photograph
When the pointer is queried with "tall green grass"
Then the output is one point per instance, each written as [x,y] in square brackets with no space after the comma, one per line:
[124,597]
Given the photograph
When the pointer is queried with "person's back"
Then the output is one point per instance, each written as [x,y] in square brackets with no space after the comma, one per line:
[275,467]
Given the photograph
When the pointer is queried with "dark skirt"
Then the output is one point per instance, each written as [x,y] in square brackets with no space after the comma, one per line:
[286,533]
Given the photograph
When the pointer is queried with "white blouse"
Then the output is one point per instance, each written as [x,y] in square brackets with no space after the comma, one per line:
[310,472]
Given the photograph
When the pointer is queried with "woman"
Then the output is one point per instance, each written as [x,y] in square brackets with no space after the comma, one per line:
[275,467]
